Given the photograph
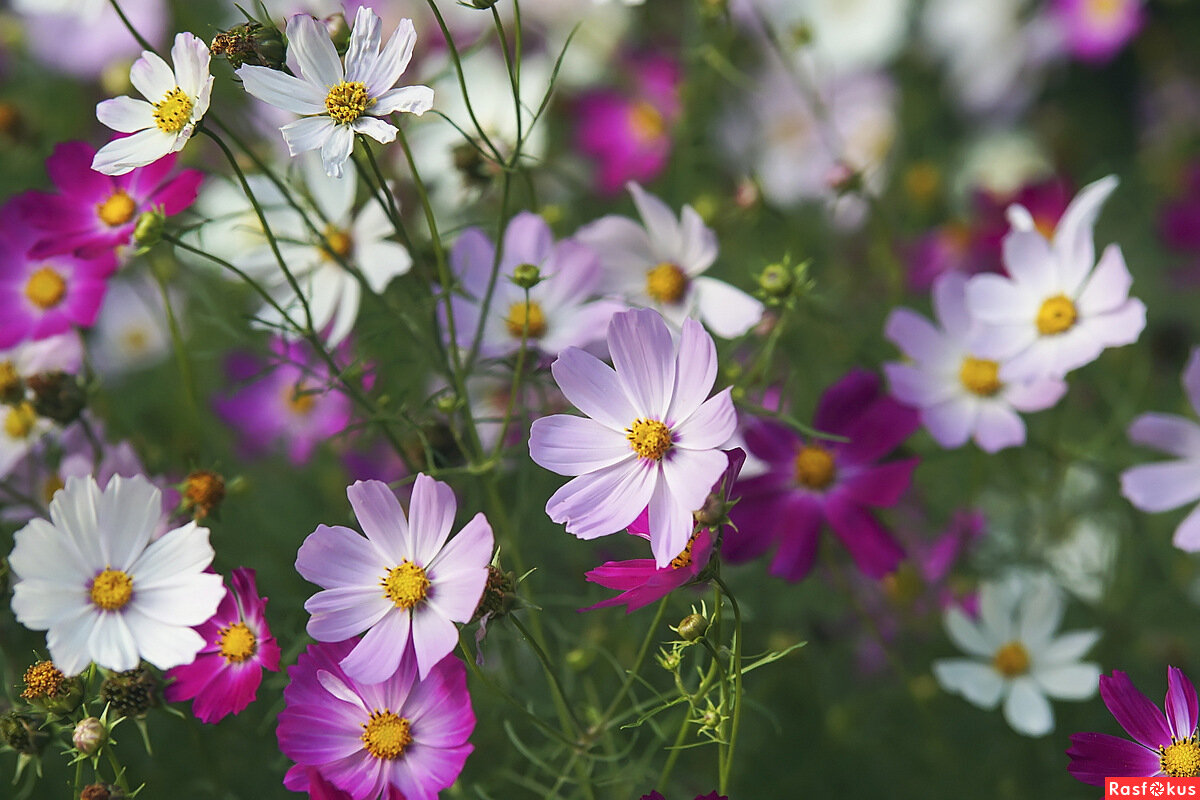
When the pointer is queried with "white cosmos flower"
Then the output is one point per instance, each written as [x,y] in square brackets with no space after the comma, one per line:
[177,99]
[660,264]
[103,591]
[1016,656]
[346,99]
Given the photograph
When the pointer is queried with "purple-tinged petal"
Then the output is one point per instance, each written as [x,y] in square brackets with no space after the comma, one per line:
[1169,433]
[570,445]
[430,518]
[671,520]
[799,537]
[917,337]
[1161,486]
[1029,261]
[1108,286]
[695,371]
[643,354]
[338,614]
[1187,535]
[377,655]
[593,387]
[873,549]
[880,485]
[1183,711]
[880,428]
[604,502]
[1140,718]
[998,427]
[710,426]
[1191,379]
[1073,237]
[380,515]
[434,637]
[842,404]
[335,557]
[1096,756]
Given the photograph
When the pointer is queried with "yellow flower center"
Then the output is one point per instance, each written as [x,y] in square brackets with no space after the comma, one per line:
[338,244]
[980,376]
[1056,315]
[111,589]
[117,209]
[405,585]
[20,420]
[522,315]
[45,288]
[43,679]
[685,555]
[386,735]
[1180,759]
[815,467]
[1104,10]
[1011,660]
[173,112]
[347,102]
[300,401]
[649,438]
[646,122]
[238,643]
[666,283]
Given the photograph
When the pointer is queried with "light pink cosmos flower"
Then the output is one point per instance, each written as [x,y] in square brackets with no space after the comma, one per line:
[1060,308]
[650,437]
[402,583]
[1170,484]
[660,264]
[1096,30]
[959,394]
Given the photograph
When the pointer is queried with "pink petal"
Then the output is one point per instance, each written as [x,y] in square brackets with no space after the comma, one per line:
[1162,486]
[430,518]
[695,371]
[644,357]
[377,655]
[570,445]
[1169,433]
[710,426]
[593,387]
[604,502]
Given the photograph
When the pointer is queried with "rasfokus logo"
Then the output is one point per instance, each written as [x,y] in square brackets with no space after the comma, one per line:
[1151,787]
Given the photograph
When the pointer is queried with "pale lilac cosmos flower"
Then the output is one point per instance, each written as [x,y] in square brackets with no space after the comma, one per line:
[226,674]
[650,437]
[1164,485]
[810,483]
[560,311]
[349,99]
[1096,30]
[402,739]
[176,100]
[1164,743]
[960,395]
[403,583]
[1059,309]
[660,264]
[94,213]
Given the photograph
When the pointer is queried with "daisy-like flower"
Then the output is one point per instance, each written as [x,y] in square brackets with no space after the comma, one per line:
[650,437]
[640,581]
[402,583]
[807,484]
[93,213]
[1016,655]
[660,264]
[560,311]
[345,99]
[94,580]
[238,646]
[960,395]
[1170,484]
[176,100]
[1164,743]
[402,739]
[1059,309]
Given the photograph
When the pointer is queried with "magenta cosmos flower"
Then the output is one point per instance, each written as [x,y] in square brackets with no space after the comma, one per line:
[42,297]
[650,437]
[640,581]
[285,402]
[402,583]
[227,671]
[811,483]
[1097,31]
[403,739]
[93,213]
[1165,743]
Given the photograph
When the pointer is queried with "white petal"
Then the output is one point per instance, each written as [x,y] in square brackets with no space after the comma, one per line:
[191,59]
[379,130]
[307,134]
[978,683]
[726,310]
[125,114]
[409,99]
[314,51]
[666,239]
[1070,681]
[1027,710]
[337,149]
[124,155]
[152,76]
[1073,237]
[282,90]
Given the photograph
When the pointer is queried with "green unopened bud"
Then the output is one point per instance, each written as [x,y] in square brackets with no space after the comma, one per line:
[21,732]
[89,736]
[499,594]
[527,276]
[446,402]
[339,32]
[776,280]
[131,693]
[481,4]
[251,43]
[580,659]
[669,660]
[149,229]
[692,627]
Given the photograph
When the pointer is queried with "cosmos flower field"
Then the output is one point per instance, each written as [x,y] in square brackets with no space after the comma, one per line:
[589,399]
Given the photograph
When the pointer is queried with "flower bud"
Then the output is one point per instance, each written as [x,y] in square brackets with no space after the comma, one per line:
[131,693]
[101,791]
[48,689]
[203,491]
[692,627]
[339,32]
[57,396]
[775,280]
[251,43]
[21,732]
[527,276]
[89,736]
[498,594]
[149,229]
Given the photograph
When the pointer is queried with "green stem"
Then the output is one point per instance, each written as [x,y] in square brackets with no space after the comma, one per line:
[560,698]
[737,683]
[141,40]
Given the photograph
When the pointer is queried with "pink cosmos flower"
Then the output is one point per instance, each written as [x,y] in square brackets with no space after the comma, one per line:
[628,131]
[1164,485]
[286,402]
[650,437]
[1096,30]
[403,739]
[560,312]
[1059,309]
[225,676]
[640,581]
[42,297]
[402,583]
[813,483]
[1164,743]
[93,213]
[959,394]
